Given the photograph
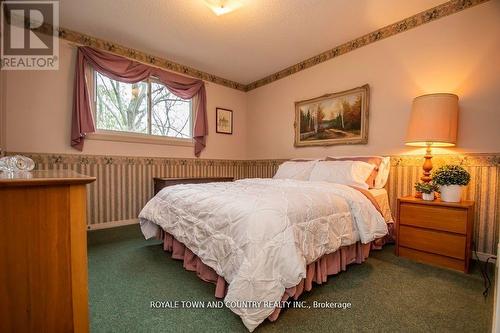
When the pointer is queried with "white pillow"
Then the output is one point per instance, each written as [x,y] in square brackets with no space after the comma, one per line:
[352,173]
[383,173]
[295,170]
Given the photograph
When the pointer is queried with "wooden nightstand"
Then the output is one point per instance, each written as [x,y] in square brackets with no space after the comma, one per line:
[435,232]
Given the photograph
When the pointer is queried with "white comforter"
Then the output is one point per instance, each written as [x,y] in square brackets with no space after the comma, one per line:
[259,234]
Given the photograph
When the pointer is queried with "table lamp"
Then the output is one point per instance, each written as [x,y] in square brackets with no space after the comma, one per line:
[433,123]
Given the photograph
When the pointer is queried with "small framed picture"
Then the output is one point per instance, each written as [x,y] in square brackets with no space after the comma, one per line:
[224,121]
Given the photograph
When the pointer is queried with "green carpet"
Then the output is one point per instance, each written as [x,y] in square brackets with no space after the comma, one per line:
[387,294]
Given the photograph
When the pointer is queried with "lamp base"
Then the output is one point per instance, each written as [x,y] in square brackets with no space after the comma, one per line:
[427,167]
[426,178]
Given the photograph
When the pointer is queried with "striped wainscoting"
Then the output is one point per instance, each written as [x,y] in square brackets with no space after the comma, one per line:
[125,184]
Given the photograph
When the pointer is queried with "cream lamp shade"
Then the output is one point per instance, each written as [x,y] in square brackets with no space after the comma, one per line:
[433,121]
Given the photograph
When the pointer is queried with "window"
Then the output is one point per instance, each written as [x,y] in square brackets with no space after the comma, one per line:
[146,107]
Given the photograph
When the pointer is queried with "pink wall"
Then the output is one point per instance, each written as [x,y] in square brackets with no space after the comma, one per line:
[458,54]
[38,114]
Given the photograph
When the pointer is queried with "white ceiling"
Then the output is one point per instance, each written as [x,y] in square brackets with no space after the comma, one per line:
[258,39]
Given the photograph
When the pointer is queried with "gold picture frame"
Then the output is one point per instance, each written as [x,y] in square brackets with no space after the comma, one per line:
[334,119]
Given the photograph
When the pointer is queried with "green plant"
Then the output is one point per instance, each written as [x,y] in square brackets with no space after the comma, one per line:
[451,175]
[426,187]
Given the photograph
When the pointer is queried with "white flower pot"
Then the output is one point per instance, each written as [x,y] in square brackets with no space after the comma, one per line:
[451,193]
[428,196]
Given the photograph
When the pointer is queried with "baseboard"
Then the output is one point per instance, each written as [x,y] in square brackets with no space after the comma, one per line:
[112,224]
[484,256]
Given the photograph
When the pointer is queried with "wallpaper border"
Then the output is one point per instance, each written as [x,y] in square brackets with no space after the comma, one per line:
[142,57]
[427,16]
[464,159]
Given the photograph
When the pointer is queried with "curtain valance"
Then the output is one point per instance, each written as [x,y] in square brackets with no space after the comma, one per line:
[128,71]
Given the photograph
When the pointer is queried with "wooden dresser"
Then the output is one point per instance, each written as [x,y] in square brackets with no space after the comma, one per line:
[435,232]
[43,246]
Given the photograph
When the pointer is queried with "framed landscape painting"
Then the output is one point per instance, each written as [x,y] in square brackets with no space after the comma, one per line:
[333,119]
[224,121]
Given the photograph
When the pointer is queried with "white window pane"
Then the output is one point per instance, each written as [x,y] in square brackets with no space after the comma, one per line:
[121,106]
[171,115]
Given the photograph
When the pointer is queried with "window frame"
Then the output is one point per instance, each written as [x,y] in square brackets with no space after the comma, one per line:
[133,137]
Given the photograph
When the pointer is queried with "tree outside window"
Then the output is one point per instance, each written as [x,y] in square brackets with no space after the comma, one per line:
[146,107]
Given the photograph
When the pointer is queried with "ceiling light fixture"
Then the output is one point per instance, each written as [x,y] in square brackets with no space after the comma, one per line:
[221,7]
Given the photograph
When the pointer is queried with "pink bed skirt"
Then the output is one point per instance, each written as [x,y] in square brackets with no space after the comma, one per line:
[317,272]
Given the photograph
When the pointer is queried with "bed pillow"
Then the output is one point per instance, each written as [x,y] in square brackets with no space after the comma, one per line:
[353,173]
[380,172]
[383,172]
[295,170]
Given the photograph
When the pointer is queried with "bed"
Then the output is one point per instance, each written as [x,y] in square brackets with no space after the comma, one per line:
[262,241]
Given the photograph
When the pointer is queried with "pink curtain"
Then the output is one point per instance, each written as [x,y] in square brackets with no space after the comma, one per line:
[128,71]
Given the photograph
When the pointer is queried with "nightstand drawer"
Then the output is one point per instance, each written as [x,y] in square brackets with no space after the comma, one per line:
[434,259]
[434,217]
[446,244]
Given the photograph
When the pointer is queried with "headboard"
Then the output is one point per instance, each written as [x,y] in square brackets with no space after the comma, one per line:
[160,182]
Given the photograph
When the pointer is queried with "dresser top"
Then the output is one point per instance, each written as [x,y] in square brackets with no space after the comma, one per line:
[437,202]
[43,177]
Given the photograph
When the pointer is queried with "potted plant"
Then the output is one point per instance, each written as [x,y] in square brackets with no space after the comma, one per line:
[427,190]
[451,179]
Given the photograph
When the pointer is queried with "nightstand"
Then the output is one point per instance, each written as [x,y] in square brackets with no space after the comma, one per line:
[435,232]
